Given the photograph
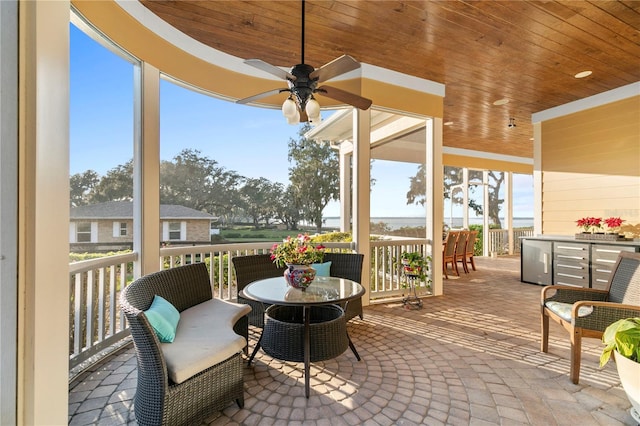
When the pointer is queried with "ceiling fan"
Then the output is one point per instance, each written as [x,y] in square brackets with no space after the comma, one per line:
[303,80]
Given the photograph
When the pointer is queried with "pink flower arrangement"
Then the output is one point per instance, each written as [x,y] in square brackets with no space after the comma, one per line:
[297,251]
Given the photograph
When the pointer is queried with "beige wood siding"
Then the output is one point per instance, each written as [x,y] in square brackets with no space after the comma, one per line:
[591,166]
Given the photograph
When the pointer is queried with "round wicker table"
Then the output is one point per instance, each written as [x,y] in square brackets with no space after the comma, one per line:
[311,314]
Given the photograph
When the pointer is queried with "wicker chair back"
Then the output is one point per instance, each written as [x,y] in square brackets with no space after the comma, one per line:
[624,286]
[348,266]
[249,269]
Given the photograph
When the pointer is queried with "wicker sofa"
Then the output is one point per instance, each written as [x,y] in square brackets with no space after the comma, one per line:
[200,372]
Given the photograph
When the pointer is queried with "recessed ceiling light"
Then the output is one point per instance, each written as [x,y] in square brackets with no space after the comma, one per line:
[448,123]
[583,74]
[502,101]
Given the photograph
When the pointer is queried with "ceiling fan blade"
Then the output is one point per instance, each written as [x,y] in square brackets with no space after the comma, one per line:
[341,65]
[261,95]
[271,69]
[344,96]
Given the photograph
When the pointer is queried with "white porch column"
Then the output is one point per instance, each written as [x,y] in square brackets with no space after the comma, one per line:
[361,195]
[465,195]
[345,188]
[43,213]
[508,208]
[146,171]
[485,212]
[435,200]
[537,179]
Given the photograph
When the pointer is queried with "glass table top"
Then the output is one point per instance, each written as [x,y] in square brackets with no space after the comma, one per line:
[323,290]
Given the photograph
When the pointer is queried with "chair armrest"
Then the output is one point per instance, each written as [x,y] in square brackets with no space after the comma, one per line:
[567,294]
[603,314]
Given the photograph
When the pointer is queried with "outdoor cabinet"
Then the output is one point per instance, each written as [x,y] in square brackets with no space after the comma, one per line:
[571,264]
[565,261]
[536,262]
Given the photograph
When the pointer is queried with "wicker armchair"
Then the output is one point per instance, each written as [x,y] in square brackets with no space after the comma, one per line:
[158,400]
[251,268]
[348,266]
[585,312]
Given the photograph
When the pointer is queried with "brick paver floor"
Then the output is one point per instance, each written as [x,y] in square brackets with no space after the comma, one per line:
[470,357]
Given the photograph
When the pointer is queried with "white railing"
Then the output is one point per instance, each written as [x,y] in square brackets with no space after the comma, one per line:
[387,280]
[95,321]
[498,239]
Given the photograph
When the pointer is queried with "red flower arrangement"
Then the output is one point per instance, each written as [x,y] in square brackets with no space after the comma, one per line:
[589,223]
[613,223]
[594,223]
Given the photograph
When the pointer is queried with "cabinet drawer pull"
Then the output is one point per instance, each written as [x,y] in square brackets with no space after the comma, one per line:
[605,261]
[562,265]
[608,251]
[605,271]
[560,274]
[562,256]
[571,248]
[569,284]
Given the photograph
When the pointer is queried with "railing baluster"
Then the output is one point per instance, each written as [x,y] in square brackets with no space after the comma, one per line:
[101,306]
[89,314]
[112,299]
[77,326]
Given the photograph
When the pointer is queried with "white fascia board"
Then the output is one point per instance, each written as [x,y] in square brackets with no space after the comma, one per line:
[607,97]
[486,155]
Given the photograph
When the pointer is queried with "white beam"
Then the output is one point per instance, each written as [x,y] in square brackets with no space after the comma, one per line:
[43,213]
[146,174]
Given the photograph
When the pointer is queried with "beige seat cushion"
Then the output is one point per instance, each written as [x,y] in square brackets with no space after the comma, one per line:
[204,337]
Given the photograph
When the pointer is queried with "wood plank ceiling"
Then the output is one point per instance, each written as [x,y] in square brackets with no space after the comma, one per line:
[524,51]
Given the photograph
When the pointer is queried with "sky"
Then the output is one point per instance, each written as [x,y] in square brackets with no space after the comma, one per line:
[248,140]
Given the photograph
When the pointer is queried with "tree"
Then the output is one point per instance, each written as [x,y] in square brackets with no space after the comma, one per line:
[260,198]
[116,185]
[314,176]
[453,176]
[289,208]
[82,186]
[196,181]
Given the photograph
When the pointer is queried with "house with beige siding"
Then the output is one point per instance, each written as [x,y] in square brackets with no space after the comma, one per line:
[109,226]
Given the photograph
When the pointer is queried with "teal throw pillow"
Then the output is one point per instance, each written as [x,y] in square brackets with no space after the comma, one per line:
[322,269]
[163,317]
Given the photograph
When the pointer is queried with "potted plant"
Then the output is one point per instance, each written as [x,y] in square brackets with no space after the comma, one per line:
[297,254]
[416,266]
[622,338]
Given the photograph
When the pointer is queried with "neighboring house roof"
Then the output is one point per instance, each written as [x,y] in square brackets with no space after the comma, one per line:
[124,210]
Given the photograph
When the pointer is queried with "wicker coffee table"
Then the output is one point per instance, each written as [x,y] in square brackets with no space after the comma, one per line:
[304,325]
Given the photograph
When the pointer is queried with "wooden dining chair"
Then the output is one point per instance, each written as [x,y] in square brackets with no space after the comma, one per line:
[460,252]
[471,242]
[449,249]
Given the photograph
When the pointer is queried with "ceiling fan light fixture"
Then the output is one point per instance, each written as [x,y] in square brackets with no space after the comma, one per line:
[289,108]
[294,119]
[512,123]
[312,108]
